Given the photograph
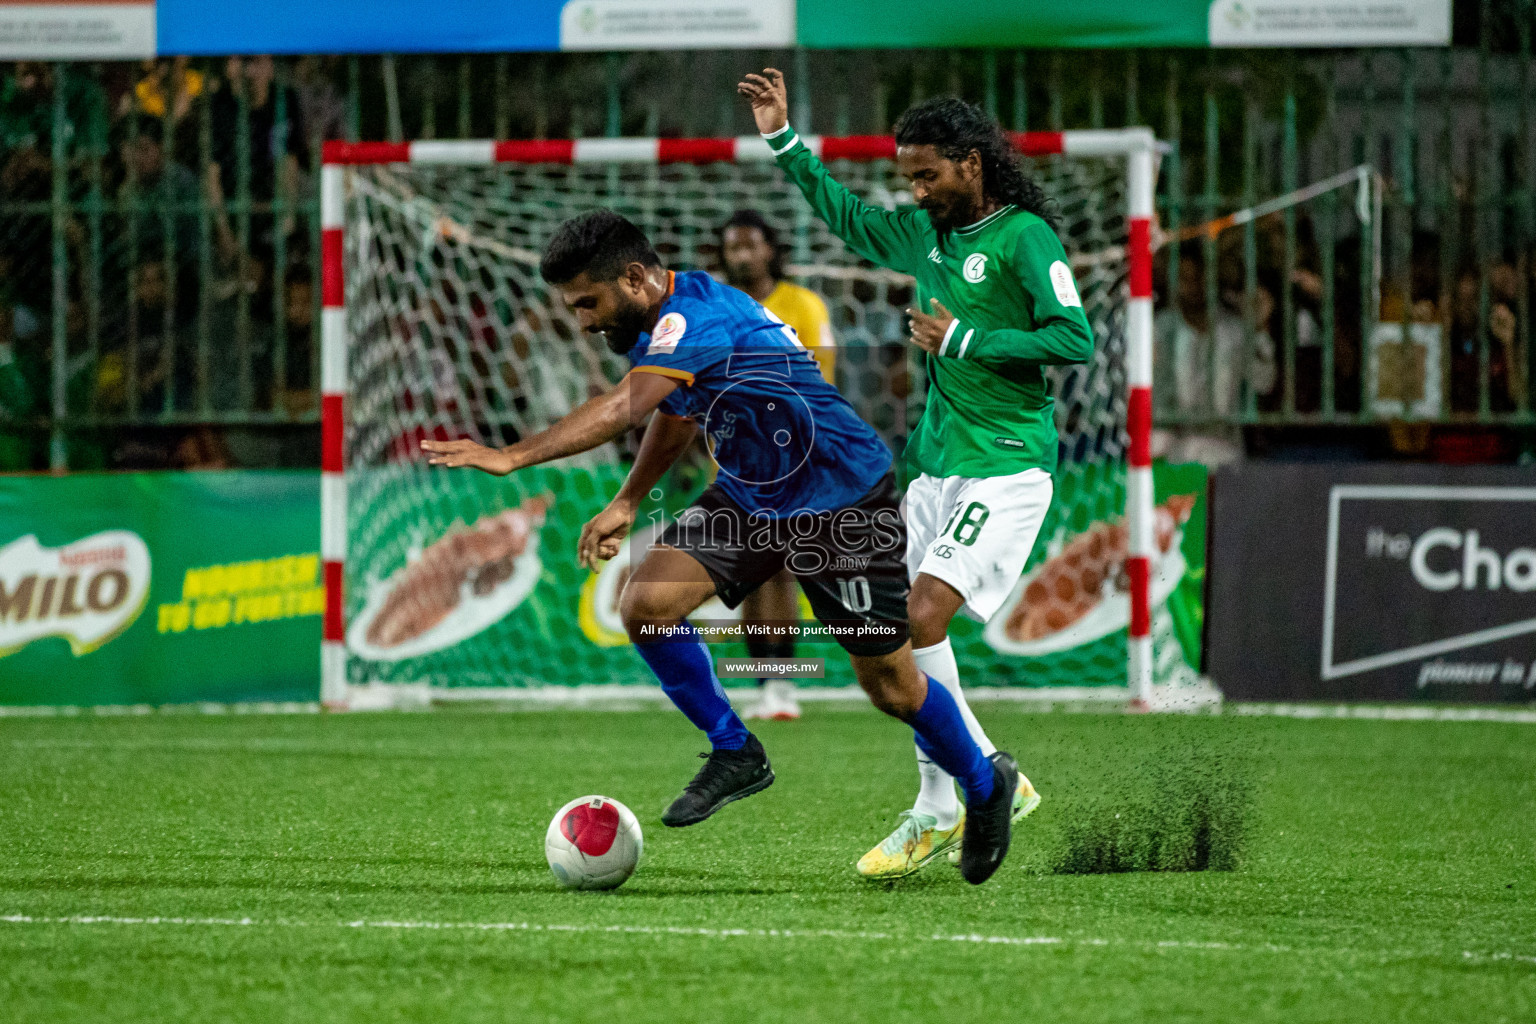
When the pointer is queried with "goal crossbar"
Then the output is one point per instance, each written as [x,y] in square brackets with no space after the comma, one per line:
[1138,146]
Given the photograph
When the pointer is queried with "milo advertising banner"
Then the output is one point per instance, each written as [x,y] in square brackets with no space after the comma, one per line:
[470,582]
[159,588]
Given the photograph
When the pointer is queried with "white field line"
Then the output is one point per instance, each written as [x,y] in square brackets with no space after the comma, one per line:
[610,697]
[727,933]
[136,710]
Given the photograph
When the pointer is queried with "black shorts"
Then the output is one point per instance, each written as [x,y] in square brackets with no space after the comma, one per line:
[851,562]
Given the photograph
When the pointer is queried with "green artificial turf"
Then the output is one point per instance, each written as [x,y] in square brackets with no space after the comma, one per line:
[1384,872]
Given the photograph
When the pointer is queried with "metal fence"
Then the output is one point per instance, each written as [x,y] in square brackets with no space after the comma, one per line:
[159,233]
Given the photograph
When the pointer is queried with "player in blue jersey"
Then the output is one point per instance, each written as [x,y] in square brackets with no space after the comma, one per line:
[803,483]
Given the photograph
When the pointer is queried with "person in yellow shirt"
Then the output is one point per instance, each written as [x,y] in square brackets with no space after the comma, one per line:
[752,259]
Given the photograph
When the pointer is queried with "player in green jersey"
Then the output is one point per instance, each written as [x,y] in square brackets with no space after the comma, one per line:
[995,304]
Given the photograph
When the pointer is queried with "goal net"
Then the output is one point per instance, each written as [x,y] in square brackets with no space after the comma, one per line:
[438,326]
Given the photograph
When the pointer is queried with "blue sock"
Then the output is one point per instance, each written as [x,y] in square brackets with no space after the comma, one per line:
[687,674]
[942,735]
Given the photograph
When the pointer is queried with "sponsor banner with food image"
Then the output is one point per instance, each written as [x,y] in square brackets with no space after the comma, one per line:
[1064,624]
[477,586]
[159,588]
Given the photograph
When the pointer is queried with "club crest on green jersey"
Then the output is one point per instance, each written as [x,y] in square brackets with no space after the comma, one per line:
[976,267]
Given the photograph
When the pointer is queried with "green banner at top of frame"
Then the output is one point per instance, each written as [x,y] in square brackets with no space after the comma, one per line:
[1124,23]
[120,29]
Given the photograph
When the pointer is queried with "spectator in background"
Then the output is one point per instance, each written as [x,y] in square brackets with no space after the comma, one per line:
[1200,368]
[322,108]
[1504,326]
[299,311]
[278,145]
[19,391]
[26,113]
[201,448]
[159,182]
[1179,320]
[26,158]
[20,323]
[165,88]
[143,360]
[1306,282]
[1506,376]
[26,124]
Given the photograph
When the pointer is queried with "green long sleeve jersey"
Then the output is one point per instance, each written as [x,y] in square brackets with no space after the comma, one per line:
[1007,282]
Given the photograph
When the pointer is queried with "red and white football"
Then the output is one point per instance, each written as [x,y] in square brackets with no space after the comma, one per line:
[593,843]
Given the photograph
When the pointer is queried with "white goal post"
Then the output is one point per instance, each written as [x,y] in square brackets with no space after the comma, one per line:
[1133,149]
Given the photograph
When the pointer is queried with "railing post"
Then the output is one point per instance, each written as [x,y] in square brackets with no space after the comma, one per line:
[1527,152]
[243,204]
[395,125]
[1132,89]
[1406,152]
[1366,154]
[58,440]
[501,126]
[1212,202]
[1288,184]
[206,266]
[282,205]
[1248,399]
[354,98]
[1173,131]
[465,125]
[1020,94]
[612,79]
[1485,161]
[989,82]
[1327,236]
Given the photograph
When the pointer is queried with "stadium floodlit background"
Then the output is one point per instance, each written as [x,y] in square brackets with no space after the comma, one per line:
[1344,438]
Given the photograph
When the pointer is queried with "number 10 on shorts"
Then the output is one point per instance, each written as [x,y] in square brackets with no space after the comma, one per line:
[855,594]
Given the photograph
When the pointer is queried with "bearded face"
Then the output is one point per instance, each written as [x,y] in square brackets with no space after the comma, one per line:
[623,327]
[615,309]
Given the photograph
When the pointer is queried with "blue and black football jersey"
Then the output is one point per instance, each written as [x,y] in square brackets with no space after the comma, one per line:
[785,440]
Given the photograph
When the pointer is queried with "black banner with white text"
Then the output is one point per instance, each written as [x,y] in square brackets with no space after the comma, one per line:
[1373,582]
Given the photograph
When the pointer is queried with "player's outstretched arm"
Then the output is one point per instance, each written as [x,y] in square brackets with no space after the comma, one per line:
[891,239]
[665,439]
[590,424]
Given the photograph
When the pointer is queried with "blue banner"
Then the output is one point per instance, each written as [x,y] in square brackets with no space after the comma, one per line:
[199,27]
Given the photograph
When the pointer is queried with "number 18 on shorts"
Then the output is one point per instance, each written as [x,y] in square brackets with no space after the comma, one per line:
[976,533]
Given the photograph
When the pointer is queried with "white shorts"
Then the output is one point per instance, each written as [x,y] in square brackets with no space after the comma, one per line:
[976,533]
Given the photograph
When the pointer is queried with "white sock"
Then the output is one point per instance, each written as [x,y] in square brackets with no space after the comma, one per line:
[936,792]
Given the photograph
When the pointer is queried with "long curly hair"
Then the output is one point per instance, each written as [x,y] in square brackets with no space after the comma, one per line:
[956,128]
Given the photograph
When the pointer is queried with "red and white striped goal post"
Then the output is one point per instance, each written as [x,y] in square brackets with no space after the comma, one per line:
[1137,145]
